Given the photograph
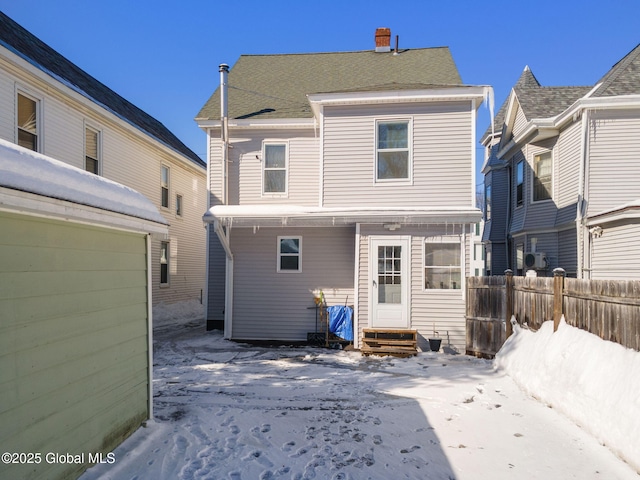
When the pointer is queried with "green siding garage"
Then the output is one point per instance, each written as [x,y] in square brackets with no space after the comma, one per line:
[74,331]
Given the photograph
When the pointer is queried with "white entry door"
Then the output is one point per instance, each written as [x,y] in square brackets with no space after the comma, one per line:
[389,288]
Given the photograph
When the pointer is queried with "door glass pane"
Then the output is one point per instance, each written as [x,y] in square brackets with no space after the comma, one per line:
[389,274]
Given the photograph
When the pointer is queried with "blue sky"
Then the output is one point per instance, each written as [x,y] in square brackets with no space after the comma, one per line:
[163,55]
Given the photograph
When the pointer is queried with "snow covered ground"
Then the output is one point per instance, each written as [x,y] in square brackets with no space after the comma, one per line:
[230,411]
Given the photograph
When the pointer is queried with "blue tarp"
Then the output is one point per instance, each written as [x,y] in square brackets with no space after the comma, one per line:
[341,321]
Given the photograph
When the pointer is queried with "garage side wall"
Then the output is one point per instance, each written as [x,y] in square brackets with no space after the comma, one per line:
[73,341]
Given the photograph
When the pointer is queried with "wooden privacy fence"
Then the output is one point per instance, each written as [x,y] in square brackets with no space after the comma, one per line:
[609,309]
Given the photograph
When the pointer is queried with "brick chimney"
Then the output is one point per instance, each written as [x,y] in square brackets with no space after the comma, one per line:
[383,39]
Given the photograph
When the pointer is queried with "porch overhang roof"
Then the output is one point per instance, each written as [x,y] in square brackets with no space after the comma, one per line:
[306,216]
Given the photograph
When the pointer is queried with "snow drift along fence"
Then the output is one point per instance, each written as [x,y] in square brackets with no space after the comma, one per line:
[609,309]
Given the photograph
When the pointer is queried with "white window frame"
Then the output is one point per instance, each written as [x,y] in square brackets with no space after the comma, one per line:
[179,205]
[98,132]
[265,144]
[280,254]
[168,186]
[487,202]
[535,175]
[409,179]
[519,164]
[167,262]
[448,239]
[38,101]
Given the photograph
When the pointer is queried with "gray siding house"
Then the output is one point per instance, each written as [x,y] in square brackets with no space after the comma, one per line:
[563,167]
[347,173]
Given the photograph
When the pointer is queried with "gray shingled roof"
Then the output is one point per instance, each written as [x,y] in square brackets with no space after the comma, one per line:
[276,86]
[39,54]
[623,78]
[544,102]
[527,79]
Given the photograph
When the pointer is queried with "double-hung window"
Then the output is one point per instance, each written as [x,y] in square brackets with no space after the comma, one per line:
[542,177]
[393,156]
[91,150]
[164,263]
[274,168]
[487,203]
[289,254]
[442,264]
[28,122]
[178,205]
[519,183]
[164,186]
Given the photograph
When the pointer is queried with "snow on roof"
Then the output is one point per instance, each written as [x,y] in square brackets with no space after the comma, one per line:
[28,171]
[240,215]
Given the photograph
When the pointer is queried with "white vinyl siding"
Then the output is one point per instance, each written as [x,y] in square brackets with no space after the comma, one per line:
[614,153]
[519,123]
[441,149]
[245,183]
[443,310]
[607,262]
[567,168]
[128,156]
[271,306]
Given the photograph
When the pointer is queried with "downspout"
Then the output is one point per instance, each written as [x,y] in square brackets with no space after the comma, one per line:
[207,264]
[224,130]
[582,205]
[149,332]
[223,236]
[356,290]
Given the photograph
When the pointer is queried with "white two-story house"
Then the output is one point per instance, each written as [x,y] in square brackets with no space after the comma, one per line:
[349,173]
[51,106]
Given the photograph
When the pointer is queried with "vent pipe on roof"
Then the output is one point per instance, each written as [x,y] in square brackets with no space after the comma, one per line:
[383,39]
[395,52]
[224,128]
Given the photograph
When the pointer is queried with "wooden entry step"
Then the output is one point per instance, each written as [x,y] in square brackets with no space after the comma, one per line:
[382,341]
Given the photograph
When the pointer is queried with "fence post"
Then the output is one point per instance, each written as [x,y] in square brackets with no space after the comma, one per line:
[558,287]
[508,274]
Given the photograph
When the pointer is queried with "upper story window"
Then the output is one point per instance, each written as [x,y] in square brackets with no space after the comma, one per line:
[289,254]
[164,187]
[164,263]
[27,122]
[519,183]
[393,159]
[274,168]
[487,202]
[542,176]
[92,150]
[178,205]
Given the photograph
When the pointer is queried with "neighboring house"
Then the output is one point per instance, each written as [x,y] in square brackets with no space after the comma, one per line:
[350,173]
[51,106]
[564,177]
[75,310]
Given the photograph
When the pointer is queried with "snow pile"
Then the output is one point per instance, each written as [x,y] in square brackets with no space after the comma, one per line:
[593,382]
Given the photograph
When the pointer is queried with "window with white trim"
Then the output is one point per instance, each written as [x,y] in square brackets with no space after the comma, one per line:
[28,122]
[178,205]
[542,176]
[442,264]
[164,263]
[92,150]
[393,155]
[164,186]
[289,254]
[520,183]
[487,202]
[274,168]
